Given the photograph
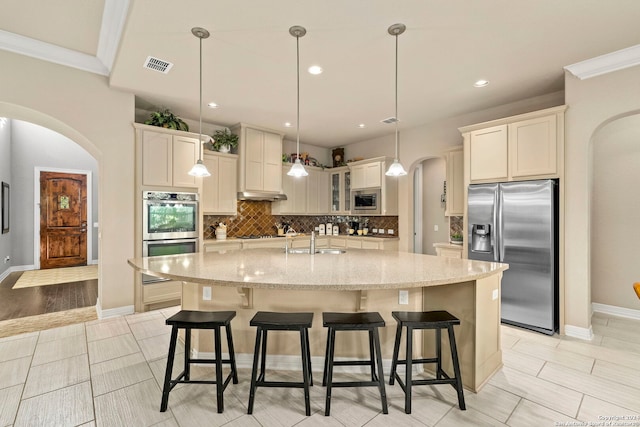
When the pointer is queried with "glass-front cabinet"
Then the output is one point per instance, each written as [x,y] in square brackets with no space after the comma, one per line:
[340,190]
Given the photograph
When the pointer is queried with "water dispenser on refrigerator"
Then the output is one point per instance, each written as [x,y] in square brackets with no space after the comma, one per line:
[481,238]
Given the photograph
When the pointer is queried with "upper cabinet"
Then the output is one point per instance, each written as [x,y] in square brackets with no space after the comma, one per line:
[219,191]
[528,146]
[455,183]
[167,156]
[340,184]
[370,173]
[307,195]
[367,175]
[260,157]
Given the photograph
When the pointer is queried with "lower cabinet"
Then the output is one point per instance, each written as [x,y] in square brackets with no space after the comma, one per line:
[448,250]
[161,293]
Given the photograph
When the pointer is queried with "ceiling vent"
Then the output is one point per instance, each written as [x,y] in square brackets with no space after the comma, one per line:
[389,120]
[157,64]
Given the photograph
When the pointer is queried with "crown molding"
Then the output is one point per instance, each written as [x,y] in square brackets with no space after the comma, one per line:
[607,63]
[113,19]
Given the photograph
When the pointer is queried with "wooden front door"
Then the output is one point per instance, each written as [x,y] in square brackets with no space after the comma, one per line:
[63,220]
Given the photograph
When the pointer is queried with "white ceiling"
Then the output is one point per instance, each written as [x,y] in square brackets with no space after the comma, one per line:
[249,62]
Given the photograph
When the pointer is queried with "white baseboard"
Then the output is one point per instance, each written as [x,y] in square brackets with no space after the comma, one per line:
[615,311]
[113,312]
[11,269]
[578,332]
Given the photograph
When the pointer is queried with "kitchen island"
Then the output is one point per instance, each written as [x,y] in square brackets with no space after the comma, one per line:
[355,280]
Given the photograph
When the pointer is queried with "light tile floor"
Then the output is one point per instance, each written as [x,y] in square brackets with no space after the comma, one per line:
[109,373]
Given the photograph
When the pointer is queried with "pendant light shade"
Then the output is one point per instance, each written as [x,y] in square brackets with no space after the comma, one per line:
[396,168]
[199,169]
[297,169]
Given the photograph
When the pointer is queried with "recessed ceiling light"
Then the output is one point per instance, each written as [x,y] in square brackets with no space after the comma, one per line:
[287,125]
[212,105]
[481,83]
[361,125]
[315,69]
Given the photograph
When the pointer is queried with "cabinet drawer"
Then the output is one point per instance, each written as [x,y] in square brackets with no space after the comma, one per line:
[161,292]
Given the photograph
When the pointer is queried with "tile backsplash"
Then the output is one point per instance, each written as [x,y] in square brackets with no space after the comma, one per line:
[255,218]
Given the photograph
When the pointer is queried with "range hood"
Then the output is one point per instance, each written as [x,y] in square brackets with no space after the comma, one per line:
[261,195]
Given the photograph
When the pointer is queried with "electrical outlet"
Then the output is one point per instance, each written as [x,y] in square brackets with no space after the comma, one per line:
[390,231]
[494,296]
[206,293]
[435,227]
[403,297]
[375,230]
[380,230]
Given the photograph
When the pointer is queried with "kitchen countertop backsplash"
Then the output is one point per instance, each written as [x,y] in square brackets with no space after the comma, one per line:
[255,218]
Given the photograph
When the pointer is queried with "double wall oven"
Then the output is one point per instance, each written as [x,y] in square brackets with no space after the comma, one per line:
[169,225]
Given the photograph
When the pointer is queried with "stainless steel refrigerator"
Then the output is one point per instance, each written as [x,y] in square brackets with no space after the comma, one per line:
[516,223]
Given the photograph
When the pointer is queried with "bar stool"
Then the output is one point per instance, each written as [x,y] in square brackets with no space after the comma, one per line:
[437,320]
[354,322]
[273,321]
[187,320]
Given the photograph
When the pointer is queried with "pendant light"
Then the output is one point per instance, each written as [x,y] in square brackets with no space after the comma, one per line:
[396,168]
[297,169]
[199,169]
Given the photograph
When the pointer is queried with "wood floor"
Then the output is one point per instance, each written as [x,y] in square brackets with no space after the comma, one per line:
[16,303]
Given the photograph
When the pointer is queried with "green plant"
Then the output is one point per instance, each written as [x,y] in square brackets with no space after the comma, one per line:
[456,236]
[166,119]
[224,137]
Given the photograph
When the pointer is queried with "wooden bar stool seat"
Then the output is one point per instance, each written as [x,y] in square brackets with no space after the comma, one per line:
[274,321]
[436,320]
[188,320]
[369,322]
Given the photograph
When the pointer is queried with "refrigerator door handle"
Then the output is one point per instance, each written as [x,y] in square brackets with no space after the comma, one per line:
[499,246]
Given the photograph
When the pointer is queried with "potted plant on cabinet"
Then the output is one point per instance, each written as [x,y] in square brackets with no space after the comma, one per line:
[456,238]
[166,119]
[223,141]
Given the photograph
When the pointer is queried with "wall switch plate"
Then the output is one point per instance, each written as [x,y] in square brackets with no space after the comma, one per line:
[403,297]
[390,231]
[494,296]
[375,230]
[206,293]
[435,227]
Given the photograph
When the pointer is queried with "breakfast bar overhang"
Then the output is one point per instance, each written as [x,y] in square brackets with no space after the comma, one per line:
[355,280]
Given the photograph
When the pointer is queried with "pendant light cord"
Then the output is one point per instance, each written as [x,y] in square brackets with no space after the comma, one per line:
[298,96]
[200,135]
[396,113]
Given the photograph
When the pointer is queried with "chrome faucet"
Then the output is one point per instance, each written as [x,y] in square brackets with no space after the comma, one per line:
[312,243]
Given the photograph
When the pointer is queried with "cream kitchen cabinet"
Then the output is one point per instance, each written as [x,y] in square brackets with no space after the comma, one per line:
[167,156]
[340,186]
[308,195]
[448,250]
[260,156]
[219,191]
[317,191]
[455,183]
[367,175]
[528,146]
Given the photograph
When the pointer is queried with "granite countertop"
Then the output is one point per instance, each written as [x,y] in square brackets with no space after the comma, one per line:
[303,236]
[359,269]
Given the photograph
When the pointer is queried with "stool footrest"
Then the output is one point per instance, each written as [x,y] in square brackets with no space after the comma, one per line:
[352,363]
[279,384]
[355,384]
[208,361]
[429,360]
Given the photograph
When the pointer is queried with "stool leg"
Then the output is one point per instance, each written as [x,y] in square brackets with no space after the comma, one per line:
[456,368]
[325,371]
[372,359]
[306,337]
[439,354]
[396,349]
[409,373]
[254,371]
[263,360]
[167,375]
[219,379]
[187,354]
[305,370]
[329,377]
[383,394]
[232,354]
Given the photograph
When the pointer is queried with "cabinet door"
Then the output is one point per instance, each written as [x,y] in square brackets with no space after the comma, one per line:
[455,184]
[210,200]
[185,155]
[228,185]
[253,158]
[368,244]
[312,191]
[373,174]
[346,195]
[299,195]
[488,154]
[355,244]
[272,162]
[284,206]
[323,192]
[358,179]
[157,167]
[533,147]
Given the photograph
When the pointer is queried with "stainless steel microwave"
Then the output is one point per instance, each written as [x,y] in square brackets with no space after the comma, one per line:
[366,201]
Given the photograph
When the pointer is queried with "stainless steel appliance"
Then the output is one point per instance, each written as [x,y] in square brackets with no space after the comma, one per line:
[366,201]
[169,225]
[169,215]
[516,223]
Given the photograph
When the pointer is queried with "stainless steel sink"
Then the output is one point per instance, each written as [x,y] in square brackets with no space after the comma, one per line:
[318,251]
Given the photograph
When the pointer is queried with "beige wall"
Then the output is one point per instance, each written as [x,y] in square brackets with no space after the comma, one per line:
[592,104]
[434,173]
[82,107]
[615,213]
